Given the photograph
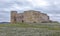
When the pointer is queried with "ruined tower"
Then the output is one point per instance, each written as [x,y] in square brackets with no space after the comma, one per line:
[13,16]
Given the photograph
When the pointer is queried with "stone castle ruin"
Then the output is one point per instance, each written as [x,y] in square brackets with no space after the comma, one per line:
[29,16]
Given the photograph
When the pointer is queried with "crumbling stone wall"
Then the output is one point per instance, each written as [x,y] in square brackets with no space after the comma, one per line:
[29,16]
[20,17]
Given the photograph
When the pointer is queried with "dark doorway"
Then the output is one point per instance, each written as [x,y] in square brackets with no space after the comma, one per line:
[34,22]
[22,21]
[15,19]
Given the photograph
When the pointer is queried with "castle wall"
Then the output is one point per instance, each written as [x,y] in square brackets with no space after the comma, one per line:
[29,16]
[35,16]
[20,17]
[44,17]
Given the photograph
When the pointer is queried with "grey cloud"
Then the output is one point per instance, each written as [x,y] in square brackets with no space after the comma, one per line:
[53,8]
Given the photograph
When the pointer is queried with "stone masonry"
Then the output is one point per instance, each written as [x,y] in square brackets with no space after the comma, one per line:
[29,16]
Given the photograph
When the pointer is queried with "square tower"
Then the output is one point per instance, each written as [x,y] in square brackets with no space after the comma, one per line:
[13,16]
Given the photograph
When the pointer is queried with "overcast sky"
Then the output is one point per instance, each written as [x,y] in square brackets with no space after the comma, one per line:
[50,7]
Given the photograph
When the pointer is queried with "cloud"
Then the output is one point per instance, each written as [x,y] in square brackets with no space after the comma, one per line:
[51,7]
[4,16]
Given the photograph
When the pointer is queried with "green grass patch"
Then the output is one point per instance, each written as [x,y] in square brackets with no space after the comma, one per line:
[25,25]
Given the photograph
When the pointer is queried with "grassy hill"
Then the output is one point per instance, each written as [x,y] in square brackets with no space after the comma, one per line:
[30,29]
[50,26]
